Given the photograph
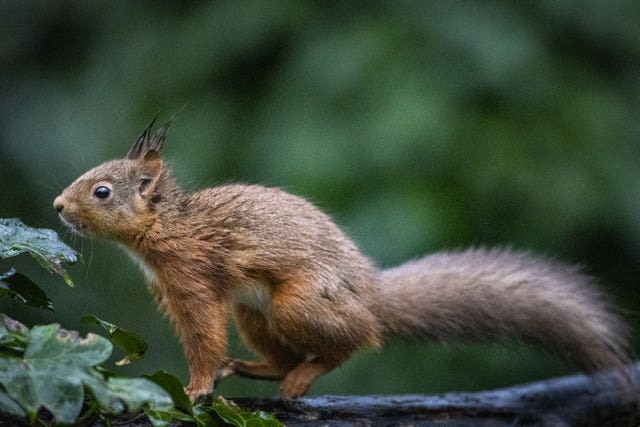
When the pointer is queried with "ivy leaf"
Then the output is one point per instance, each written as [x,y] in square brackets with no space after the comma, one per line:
[13,334]
[118,394]
[238,417]
[172,385]
[42,244]
[166,418]
[140,392]
[126,340]
[9,406]
[52,371]
[203,417]
[21,288]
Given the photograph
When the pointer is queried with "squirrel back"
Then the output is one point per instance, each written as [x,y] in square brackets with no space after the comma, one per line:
[301,293]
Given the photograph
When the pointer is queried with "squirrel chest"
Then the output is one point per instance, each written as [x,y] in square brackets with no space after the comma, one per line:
[253,294]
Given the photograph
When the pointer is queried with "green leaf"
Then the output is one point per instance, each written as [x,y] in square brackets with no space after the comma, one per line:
[52,372]
[42,244]
[238,417]
[13,334]
[51,345]
[140,392]
[9,406]
[133,394]
[162,418]
[172,385]
[21,288]
[202,416]
[126,340]
[97,385]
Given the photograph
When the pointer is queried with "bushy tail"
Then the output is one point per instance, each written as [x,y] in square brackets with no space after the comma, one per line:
[489,295]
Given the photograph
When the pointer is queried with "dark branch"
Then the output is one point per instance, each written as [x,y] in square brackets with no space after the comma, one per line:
[577,400]
[566,401]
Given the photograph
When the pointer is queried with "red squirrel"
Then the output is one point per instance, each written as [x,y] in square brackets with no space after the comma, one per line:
[302,295]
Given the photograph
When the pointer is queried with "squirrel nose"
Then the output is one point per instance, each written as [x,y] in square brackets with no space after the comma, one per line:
[58,204]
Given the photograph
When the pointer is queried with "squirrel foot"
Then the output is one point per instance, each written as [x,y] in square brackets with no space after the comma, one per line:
[256,370]
[194,392]
[297,382]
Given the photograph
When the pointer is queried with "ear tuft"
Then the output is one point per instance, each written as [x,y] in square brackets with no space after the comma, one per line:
[146,143]
[157,142]
[142,143]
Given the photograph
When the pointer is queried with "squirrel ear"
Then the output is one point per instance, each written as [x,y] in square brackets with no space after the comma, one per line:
[143,189]
[149,174]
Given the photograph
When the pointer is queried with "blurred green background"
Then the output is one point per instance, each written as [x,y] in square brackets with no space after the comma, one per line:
[419,126]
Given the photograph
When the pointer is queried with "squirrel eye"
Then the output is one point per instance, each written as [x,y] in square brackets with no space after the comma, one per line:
[102,192]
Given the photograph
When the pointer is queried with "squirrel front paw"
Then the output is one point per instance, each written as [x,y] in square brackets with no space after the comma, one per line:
[194,392]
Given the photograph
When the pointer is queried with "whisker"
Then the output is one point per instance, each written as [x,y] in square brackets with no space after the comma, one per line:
[90,262]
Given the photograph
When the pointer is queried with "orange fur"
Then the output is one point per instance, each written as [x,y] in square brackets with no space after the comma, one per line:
[302,295]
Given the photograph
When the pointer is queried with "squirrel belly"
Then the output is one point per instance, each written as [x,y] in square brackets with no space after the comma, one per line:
[302,295]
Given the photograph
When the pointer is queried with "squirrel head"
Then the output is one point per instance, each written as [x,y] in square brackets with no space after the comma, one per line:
[118,199]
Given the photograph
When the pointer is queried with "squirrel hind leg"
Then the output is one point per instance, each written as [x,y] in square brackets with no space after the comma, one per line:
[279,357]
[295,382]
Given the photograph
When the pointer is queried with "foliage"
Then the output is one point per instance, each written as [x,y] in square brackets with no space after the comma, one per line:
[128,341]
[45,247]
[204,414]
[21,288]
[42,244]
[53,369]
